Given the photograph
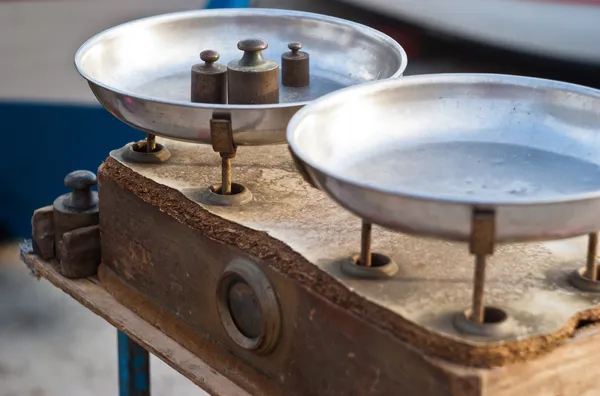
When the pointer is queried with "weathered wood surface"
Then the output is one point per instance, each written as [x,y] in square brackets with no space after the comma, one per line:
[570,370]
[299,232]
[92,295]
[167,272]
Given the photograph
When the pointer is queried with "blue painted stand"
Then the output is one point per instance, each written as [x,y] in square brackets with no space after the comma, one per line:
[228,4]
[134,368]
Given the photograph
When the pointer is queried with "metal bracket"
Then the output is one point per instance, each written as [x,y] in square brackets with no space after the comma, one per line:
[481,244]
[221,134]
[483,232]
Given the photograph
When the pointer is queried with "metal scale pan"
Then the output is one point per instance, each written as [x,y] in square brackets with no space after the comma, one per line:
[466,157]
[140,71]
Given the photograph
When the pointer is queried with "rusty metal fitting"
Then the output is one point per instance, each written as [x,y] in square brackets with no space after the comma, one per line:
[213,195]
[579,280]
[222,142]
[253,79]
[221,134]
[147,151]
[295,66]
[496,323]
[382,267]
[209,80]
[481,244]
[368,265]
[248,307]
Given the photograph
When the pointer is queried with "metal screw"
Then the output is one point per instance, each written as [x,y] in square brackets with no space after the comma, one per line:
[81,182]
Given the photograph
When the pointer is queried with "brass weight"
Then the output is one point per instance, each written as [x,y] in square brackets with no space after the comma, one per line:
[253,79]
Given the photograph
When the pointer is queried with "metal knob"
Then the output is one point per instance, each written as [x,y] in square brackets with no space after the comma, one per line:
[209,57]
[252,45]
[252,48]
[81,182]
[295,47]
[253,79]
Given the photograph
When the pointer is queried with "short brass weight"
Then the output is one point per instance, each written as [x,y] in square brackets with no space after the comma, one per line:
[253,79]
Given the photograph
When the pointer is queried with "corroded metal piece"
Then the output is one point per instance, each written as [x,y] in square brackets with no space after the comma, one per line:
[221,135]
[295,66]
[209,80]
[481,245]
[248,307]
[253,79]
[496,323]
[382,267]
[150,142]
[214,196]
[222,142]
[137,152]
[579,280]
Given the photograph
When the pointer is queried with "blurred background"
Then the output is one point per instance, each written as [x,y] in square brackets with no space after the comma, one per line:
[49,345]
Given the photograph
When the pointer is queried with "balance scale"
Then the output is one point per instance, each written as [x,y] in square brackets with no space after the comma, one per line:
[301,221]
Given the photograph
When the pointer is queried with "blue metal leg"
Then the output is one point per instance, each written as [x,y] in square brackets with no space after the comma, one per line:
[228,4]
[134,368]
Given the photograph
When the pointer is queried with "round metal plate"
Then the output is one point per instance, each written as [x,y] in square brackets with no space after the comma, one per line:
[417,154]
[140,71]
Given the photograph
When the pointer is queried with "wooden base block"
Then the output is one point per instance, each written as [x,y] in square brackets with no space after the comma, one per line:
[165,255]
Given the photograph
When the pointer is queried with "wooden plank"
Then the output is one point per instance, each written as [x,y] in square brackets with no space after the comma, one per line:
[571,369]
[91,295]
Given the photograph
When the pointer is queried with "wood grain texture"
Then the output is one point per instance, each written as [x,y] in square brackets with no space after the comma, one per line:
[91,295]
[298,231]
[167,273]
[571,370]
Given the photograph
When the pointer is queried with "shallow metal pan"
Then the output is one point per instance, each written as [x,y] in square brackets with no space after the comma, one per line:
[419,154]
[140,71]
